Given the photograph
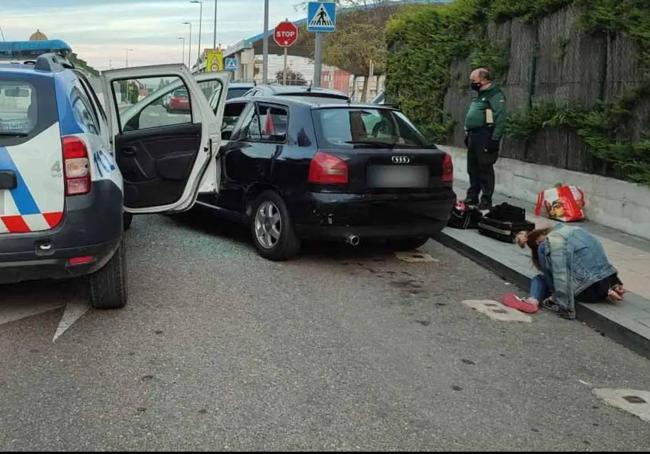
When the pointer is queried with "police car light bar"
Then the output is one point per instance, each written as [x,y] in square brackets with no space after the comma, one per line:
[31,50]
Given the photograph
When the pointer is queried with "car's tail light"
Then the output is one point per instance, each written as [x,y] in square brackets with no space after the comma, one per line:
[76,166]
[328,169]
[447,169]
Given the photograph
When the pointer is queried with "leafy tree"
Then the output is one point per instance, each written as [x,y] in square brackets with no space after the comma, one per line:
[293,77]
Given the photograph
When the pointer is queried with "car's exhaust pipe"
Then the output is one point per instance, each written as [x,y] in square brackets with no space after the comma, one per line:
[353,240]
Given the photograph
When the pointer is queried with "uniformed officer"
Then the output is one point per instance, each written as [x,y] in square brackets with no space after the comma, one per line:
[484,127]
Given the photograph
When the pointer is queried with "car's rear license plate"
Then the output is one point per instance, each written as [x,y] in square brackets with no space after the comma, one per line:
[394,176]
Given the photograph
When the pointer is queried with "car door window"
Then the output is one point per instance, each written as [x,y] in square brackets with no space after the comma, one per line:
[212,89]
[251,127]
[273,121]
[231,116]
[92,96]
[152,102]
[83,111]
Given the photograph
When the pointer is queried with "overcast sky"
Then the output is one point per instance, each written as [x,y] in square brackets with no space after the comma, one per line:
[100,31]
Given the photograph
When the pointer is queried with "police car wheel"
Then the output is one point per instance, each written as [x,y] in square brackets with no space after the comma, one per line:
[108,285]
[272,229]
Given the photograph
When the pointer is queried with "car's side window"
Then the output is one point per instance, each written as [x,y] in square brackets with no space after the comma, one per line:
[251,128]
[83,111]
[273,120]
[92,96]
[231,115]
[212,90]
[152,102]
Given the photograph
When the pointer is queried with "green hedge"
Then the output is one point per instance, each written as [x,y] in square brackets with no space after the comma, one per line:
[424,40]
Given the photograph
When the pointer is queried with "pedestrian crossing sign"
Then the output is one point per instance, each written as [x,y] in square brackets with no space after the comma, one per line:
[321,17]
[231,64]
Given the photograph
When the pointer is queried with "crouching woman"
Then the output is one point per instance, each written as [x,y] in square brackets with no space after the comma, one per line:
[573,266]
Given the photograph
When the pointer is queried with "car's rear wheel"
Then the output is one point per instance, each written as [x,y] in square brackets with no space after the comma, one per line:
[408,244]
[108,285]
[271,228]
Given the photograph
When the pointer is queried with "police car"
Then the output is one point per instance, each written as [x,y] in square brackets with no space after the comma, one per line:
[71,168]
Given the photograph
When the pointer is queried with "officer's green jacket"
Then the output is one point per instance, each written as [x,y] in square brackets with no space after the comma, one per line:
[492,98]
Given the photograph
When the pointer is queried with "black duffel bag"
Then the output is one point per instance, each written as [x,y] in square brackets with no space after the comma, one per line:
[464,216]
[503,222]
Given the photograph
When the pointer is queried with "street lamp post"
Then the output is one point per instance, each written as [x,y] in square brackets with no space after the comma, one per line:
[189,53]
[214,36]
[265,46]
[127,56]
[183,59]
[198,57]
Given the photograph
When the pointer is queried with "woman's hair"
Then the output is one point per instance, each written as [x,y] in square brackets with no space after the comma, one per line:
[530,239]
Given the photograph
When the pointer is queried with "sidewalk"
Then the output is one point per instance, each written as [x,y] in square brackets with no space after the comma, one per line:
[627,322]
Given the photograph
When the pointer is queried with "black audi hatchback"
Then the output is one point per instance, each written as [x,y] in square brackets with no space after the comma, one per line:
[297,168]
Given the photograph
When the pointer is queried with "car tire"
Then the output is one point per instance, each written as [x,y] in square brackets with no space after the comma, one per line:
[408,244]
[272,229]
[128,219]
[108,285]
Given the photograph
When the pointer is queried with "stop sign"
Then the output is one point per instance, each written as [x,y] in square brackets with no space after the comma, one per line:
[285,34]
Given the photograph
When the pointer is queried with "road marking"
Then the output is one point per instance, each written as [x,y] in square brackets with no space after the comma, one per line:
[629,400]
[497,311]
[17,310]
[73,312]
[415,257]
[22,301]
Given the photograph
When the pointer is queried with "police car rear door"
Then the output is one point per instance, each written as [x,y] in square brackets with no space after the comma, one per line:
[164,145]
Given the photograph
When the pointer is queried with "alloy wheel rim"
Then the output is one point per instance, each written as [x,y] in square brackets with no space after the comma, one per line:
[268,225]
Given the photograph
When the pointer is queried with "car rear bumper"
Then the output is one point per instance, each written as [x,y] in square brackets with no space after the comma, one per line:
[337,216]
[91,227]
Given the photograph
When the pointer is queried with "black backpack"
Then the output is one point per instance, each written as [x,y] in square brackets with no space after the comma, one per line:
[464,216]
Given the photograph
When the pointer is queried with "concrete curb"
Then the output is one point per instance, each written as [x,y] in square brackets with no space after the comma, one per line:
[585,312]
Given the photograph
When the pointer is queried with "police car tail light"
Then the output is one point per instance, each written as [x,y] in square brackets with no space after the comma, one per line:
[328,169]
[447,169]
[76,166]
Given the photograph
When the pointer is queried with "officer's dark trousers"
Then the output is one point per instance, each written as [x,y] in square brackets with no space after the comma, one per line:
[480,165]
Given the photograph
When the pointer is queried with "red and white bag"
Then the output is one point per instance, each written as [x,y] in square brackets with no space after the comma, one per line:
[562,203]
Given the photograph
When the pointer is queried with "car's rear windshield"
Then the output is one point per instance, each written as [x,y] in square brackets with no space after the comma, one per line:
[360,127]
[236,92]
[18,108]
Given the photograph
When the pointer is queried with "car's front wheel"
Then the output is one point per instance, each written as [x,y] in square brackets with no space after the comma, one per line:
[108,285]
[271,228]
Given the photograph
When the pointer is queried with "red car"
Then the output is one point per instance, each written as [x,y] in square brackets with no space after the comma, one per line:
[179,101]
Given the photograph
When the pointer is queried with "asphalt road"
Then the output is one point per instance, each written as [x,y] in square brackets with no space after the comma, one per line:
[340,349]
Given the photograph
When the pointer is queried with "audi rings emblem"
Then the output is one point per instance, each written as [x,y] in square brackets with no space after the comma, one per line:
[401,159]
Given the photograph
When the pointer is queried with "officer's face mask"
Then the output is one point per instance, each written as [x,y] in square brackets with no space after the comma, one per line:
[476,86]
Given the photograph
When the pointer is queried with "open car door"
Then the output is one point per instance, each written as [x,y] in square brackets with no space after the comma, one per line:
[214,86]
[164,135]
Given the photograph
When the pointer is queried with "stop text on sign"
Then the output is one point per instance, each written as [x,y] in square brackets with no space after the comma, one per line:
[285,34]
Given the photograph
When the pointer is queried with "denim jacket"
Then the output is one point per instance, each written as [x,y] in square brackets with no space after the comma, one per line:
[576,260]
